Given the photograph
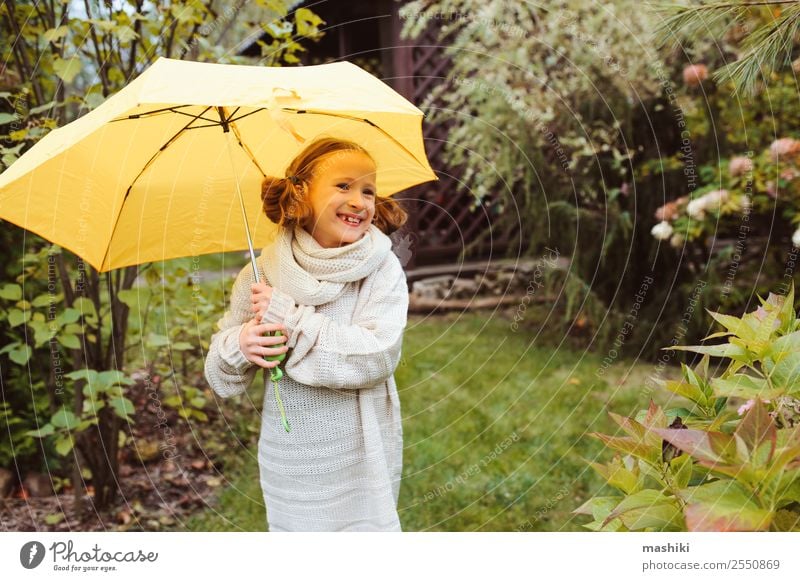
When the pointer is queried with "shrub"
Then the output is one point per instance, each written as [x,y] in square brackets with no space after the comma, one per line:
[710,466]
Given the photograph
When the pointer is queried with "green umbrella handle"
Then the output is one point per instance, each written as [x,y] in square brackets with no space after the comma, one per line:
[275,375]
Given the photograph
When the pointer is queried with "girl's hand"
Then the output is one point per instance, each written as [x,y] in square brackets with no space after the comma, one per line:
[255,345]
[260,298]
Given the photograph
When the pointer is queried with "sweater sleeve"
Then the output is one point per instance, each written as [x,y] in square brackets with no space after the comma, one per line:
[327,353]
[227,370]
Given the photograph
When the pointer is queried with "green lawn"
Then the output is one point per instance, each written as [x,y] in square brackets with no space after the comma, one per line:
[495,426]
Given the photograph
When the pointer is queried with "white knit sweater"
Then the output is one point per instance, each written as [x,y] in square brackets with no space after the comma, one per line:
[345,311]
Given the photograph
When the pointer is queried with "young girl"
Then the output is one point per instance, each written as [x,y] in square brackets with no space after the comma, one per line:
[339,295]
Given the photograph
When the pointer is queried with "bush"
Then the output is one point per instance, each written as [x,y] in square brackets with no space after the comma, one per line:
[708,466]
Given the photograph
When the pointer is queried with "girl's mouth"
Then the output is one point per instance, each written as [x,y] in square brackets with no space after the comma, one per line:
[349,221]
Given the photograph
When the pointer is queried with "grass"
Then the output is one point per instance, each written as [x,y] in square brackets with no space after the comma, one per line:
[495,430]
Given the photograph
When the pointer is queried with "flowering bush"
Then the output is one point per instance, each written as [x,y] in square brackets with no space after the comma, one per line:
[710,466]
[751,186]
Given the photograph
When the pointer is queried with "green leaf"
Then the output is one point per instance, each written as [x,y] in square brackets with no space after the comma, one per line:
[11,292]
[665,516]
[724,350]
[45,430]
[687,390]
[131,297]
[114,377]
[21,354]
[647,508]
[123,407]
[17,317]
[6,118]
[69,315]
[783,346]
[681,467]
[723,505]
[598,507]
[744,386]
[53,34]
[64,445]
[651,454]
[54,518]
[617,475]
[85,306]
[125,34]
[69,341]
[155,340]
[43,300]
[733,324]
[67,69]
[200,415]
[64,419]
[786,374]
[89,375]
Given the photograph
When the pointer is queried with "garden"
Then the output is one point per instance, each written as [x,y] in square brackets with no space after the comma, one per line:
[648,380]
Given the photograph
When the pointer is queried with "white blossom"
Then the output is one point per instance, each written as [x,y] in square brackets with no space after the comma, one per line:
[796,237]
[662,230]
[696,208]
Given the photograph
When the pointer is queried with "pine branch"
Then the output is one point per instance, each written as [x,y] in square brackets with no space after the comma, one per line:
[763,49]
[769,47]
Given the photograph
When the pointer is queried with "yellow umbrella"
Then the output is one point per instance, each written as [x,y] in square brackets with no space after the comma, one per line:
[151,173]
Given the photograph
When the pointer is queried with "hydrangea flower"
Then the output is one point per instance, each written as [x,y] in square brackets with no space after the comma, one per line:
[784,147]
[740,165]
[662,230]
[796,238]
[696,208]
[694,75]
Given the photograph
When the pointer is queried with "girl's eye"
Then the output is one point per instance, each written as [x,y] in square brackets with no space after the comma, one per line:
[346,186]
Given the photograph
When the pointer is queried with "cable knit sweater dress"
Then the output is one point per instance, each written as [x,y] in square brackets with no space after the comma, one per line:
[345,311]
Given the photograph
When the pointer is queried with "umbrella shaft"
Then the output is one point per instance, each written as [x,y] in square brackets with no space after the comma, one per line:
[244,211]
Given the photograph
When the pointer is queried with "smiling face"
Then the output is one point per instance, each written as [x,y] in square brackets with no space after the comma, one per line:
[342,196]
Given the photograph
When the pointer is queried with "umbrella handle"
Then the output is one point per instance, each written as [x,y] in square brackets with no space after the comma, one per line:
[275,375]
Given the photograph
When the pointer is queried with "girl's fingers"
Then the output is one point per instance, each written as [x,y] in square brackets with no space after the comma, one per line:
[261,362]
[268,351]
[263,328]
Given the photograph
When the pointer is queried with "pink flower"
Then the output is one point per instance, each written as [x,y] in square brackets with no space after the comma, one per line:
[750,403]
[667,212]
[771,191]
[784,147]
[693,75]
[740,165]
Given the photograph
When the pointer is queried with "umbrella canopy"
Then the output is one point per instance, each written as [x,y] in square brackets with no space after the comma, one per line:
[153,172]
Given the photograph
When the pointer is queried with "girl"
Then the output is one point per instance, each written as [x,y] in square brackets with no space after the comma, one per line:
[339,296]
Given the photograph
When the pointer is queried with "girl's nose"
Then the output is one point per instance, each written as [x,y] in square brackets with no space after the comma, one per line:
[356,200]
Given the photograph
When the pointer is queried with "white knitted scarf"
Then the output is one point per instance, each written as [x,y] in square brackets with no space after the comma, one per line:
[311,274]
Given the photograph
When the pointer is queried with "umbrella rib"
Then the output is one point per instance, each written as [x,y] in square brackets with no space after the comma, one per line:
[244,147]
[153,112]
[232,119]
[146,165]
[198,117]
